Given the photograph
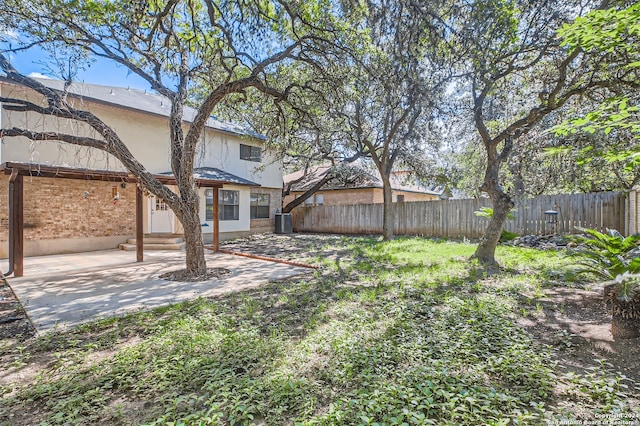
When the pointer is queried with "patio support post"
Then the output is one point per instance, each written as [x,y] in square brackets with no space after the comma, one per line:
[216,220]
[139,230]
[16,201]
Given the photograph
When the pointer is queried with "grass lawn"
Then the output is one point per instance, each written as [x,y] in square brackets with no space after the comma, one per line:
[404,332]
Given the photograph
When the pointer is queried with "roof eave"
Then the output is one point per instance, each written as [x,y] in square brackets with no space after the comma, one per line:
[42,170]
[256,137]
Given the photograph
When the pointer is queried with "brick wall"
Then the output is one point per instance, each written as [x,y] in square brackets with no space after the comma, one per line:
[408,196]
[362,196]
[70,208]
[275,203]
[340,196]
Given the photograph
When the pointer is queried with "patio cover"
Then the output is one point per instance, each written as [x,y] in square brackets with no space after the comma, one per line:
[16,171]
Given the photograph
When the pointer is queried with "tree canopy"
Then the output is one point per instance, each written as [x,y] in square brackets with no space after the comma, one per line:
[340,80]
[175,46]
[614,35]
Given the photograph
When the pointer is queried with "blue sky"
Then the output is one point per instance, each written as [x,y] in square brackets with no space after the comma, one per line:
[102,71]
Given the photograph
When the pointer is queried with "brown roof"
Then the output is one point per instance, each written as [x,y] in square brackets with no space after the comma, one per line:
[352,177]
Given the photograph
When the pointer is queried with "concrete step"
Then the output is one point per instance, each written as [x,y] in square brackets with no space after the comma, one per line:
[158,240]
[162,235]
[146,246]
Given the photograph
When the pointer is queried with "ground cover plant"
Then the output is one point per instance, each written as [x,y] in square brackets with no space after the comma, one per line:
[401,332]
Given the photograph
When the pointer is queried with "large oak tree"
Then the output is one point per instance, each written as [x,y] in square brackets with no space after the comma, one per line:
[222,47]
[512,51]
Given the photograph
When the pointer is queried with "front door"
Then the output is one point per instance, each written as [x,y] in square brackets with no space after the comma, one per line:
[160,217]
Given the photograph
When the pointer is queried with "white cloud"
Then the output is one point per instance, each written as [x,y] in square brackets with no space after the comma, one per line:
[38,75]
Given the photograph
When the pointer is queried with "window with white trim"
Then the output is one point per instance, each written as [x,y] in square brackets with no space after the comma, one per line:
[208,209]
[260,204]
[229,207]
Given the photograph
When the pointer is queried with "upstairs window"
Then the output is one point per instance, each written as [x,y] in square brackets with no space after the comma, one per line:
[260,206]
[250,153]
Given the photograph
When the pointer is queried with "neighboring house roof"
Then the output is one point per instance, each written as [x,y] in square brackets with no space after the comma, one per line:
[305,179]
[138,100]
[352,177]
[211,173]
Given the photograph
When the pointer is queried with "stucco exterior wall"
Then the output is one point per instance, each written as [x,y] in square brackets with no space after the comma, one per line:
[57,216]
[146,135]
[223,151]
[67,215]
[243,224]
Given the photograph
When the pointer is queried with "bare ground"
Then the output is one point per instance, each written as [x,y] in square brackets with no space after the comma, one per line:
[576,322]
[14,324]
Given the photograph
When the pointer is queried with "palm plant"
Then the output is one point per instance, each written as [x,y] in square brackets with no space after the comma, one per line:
[615,258]
[607,255]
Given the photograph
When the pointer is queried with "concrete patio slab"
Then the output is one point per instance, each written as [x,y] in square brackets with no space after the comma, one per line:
[66,290]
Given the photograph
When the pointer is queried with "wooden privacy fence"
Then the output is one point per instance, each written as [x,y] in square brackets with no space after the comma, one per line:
[632,214]
[457,218]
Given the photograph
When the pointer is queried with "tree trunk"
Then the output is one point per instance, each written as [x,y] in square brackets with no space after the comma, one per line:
[502,204]
[387,221]
[315,188]
[189,217]
[519,190]
[486,250]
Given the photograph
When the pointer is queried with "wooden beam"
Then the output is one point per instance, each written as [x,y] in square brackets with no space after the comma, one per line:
[216,220]
[16,199]
[139,225]
[40,170]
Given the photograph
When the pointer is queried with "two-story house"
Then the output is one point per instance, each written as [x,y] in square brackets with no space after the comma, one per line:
[92,213]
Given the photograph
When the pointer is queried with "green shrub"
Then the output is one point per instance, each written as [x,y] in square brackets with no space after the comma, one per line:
[507,236]
[607,255]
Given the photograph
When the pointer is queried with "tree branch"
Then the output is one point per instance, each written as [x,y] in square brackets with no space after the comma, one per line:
[55,136]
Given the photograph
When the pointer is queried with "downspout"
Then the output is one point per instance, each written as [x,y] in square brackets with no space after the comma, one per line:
[12,179]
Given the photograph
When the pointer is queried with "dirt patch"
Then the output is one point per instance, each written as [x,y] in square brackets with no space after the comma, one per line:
[575,322]
[15,327]
[293,247]
[186,276]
